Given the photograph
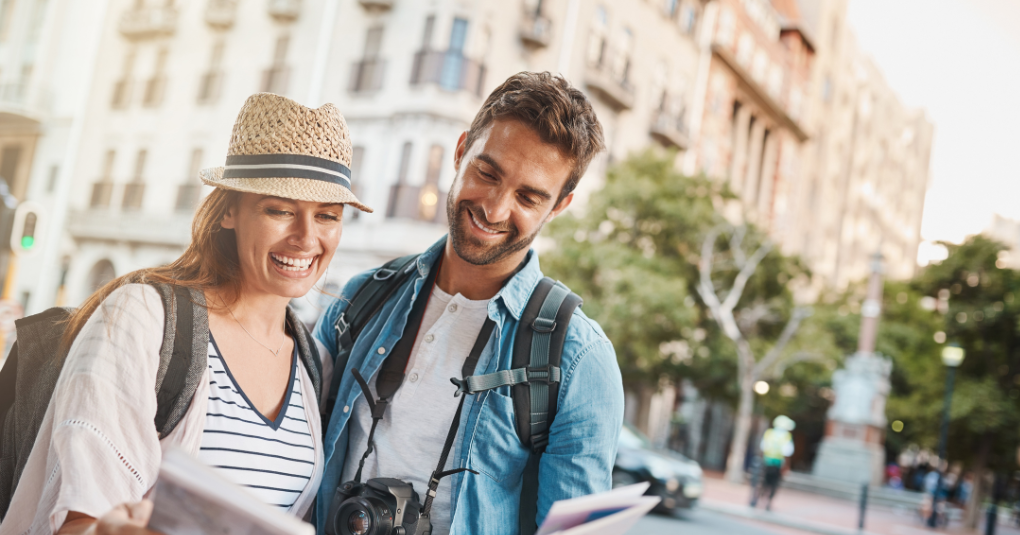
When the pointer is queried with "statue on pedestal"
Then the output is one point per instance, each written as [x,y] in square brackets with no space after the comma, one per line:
[852,450]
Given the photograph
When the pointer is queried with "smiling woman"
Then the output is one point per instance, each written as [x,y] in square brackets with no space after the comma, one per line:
[249,403]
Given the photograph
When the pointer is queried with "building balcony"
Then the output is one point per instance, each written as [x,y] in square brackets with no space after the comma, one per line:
[284,10]
[13,93]
[274,79]
[611,87]
[134,194]
[134,228]
[536,30]
[755,90]
[102,191]
[420,203]
[221,14]
[449,69]
[669,130]
[376,5]
[146,22]
[367,76]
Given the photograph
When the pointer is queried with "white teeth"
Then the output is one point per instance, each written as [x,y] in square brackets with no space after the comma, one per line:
[292,264]
[481,226]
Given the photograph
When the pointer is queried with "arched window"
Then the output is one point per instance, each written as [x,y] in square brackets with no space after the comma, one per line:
[100,274]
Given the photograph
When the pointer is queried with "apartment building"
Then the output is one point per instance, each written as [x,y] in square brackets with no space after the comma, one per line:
[864,172]
[408,76]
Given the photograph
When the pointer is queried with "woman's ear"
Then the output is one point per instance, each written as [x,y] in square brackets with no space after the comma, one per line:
[228,220]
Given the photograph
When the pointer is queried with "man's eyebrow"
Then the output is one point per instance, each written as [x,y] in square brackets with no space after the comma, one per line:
[545,195]
[491,161]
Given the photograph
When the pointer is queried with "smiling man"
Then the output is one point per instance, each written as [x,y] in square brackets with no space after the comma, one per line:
[457,313]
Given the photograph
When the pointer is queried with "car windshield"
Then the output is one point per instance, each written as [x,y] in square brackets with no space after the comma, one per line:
[632,438]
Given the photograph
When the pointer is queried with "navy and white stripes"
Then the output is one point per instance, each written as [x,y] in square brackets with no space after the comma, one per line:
[274,459]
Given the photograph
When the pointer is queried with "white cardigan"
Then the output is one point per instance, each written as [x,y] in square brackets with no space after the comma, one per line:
[98,446]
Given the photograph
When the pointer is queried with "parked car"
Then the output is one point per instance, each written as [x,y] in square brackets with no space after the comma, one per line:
[673,477]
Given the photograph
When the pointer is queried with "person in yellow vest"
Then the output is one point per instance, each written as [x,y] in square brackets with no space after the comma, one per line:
[776,445]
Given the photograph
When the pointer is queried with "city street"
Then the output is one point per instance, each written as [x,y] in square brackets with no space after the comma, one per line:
[703,522]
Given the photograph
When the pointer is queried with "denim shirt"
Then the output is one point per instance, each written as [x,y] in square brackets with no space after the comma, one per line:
[582,439]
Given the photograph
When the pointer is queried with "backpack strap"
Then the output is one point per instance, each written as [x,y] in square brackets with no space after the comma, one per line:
[534,380]
[184,355]
[307,351]
[367,301]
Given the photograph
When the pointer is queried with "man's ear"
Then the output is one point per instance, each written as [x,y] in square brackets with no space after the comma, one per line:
[560,207]
[458,154]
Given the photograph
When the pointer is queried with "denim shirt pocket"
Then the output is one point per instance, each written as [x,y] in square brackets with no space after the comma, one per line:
[496,450]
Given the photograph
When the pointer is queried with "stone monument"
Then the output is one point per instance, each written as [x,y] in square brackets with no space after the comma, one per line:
[852,450]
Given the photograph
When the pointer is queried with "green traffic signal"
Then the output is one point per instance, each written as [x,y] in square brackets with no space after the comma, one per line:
[28,231]
[27,242]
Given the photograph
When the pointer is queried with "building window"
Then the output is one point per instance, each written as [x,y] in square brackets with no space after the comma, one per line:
[274,79]
[155,85]
[398,205]
[189,192]
[367,74]
[100,274]
[670,6]
[212,80]
[450,69]
[122,87]
[134,191]
[430,198]
[6,8]
[597,40]
[357,157]
[102,189]
[689,19]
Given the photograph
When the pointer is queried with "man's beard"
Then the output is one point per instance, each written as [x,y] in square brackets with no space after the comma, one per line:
[470,248]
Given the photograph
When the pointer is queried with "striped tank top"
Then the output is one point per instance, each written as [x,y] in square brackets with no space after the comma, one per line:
[274,460]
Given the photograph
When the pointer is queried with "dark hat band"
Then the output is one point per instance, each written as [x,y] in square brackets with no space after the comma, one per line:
[287,166]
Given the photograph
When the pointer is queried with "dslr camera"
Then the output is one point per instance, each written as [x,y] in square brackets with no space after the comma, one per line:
[380,506]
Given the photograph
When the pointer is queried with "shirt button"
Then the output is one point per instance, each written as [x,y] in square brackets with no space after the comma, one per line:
[381,350]
[347,408]
[414,377]
[453,308]
[429,338]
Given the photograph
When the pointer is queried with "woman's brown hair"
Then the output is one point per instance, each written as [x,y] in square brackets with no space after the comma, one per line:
[210,261]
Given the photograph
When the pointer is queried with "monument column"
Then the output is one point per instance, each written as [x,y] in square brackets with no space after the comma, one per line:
[852,450]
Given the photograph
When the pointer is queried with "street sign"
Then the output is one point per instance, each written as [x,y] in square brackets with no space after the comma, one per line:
[28,228]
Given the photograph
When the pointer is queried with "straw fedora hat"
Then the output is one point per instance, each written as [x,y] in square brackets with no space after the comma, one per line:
[281,148]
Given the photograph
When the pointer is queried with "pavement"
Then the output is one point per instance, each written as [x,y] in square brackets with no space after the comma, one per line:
[796,512]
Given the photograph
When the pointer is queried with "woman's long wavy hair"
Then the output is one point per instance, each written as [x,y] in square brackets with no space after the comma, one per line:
[210,261]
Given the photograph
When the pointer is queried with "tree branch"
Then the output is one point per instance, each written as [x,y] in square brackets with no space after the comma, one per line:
[745,274]
[773,355]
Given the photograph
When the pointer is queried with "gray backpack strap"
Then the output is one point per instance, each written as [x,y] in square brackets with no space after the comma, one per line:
[184,356]
[534,381]
[307,352]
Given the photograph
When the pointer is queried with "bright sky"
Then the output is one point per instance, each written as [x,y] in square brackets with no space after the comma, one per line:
[960,60]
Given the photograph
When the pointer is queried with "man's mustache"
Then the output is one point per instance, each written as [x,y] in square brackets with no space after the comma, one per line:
[480,216]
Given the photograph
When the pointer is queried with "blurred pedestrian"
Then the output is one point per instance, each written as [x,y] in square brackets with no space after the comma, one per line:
[776,445]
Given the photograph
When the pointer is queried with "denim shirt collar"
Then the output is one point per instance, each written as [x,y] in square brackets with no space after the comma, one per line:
[514,295]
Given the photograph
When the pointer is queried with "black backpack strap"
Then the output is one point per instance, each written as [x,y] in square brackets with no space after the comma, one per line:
[367,301]
[183,357]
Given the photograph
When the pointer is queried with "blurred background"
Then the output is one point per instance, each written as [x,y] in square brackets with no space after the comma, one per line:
[756,240]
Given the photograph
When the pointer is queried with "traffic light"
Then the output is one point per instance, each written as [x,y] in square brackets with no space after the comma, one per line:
[27,229]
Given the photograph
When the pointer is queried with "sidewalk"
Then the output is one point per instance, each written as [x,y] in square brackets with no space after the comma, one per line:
[820,514]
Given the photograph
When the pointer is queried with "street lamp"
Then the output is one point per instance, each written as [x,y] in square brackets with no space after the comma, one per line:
[952,357]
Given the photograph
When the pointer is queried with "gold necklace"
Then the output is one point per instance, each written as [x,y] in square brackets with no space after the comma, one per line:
[269,349]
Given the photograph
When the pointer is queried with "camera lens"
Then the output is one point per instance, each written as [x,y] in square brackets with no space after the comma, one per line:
[359,523]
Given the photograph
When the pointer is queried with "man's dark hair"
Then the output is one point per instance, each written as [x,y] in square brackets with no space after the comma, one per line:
[549,105]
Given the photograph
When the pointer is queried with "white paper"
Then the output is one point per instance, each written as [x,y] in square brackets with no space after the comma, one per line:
[608,513]
[191,499]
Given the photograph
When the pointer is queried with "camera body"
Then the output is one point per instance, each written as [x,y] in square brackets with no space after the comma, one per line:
[380,506]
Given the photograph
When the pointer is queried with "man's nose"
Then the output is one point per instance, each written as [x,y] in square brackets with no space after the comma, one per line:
[498,206]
